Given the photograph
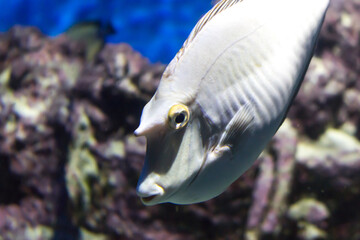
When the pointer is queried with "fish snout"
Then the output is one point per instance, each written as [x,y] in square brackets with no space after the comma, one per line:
[149,192]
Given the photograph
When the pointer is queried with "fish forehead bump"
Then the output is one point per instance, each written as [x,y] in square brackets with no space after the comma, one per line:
[155,113]
[169,93]
[153,117]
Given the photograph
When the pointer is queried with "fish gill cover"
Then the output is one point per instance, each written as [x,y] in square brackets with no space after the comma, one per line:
[156,28]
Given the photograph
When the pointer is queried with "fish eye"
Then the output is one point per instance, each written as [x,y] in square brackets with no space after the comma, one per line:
[178,116]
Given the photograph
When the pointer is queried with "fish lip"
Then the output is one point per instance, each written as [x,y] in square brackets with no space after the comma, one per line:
[147,200]
[152,199]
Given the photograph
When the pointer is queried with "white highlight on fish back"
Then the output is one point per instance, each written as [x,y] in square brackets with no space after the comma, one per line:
[260,47]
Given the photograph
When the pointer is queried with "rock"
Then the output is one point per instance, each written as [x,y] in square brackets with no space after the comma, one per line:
[273,185]
[56,118]
[335,154]
[311,232]
[38,232]
[309,210]
[352,100]
[82,169]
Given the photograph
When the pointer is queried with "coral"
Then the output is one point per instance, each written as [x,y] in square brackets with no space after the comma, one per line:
[273,185]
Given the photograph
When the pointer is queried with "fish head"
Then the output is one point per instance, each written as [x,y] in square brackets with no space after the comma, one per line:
[175,150]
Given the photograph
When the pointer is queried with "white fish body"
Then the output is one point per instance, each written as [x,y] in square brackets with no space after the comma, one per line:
[224,96]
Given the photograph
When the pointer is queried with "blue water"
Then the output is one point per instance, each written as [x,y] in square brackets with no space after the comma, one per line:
[156,28]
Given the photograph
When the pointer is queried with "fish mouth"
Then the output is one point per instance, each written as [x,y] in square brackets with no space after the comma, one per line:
[147,200]
[152,198]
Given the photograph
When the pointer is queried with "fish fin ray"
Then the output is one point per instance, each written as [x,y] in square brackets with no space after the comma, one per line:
[218,8]
[236,127]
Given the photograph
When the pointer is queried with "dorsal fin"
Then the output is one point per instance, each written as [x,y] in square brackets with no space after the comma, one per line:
[218,8]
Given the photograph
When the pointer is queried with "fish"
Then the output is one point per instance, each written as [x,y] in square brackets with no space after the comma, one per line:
[92,34]
[224,95]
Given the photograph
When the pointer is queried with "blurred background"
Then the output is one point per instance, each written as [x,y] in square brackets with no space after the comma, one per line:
[155,28]
[74,78]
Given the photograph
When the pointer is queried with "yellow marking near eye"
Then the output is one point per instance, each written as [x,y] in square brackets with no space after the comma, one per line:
[178,116]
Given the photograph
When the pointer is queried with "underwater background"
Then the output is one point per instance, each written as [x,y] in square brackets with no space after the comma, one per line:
[155,28]
[74,77]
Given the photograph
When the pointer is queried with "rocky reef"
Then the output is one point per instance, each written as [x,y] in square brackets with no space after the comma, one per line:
[69,162]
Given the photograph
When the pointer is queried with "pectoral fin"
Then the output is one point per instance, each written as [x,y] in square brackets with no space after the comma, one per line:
[235,128]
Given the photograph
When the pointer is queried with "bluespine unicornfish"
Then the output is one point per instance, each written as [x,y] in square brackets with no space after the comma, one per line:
[224,95]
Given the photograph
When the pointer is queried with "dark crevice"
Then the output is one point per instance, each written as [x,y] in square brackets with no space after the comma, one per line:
[10,187]
[64,227]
